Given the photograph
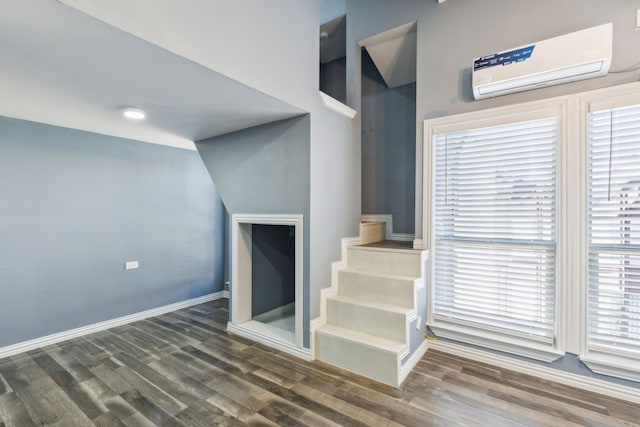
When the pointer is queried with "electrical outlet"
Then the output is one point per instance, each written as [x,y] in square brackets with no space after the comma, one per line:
[418,323]
[131,265]
[638,18]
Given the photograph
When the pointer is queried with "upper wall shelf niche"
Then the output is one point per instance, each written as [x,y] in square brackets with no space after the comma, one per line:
[333,63]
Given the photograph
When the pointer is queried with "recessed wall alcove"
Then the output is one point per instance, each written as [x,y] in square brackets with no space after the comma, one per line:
[267,305]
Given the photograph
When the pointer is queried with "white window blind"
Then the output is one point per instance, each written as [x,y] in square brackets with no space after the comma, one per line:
[494,229]
[614,232]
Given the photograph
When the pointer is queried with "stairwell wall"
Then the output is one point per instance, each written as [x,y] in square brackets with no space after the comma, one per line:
[264,170]
[388,148]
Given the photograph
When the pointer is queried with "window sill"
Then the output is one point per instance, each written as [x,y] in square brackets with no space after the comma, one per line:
[495,341]
[337,106]
[613,366]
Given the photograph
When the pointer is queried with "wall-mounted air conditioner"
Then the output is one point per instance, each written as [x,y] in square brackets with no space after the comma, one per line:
[575,56]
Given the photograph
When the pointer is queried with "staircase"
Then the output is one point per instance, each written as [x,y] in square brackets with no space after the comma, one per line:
[374,315]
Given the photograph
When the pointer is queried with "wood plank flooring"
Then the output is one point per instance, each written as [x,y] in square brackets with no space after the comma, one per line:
[184,369]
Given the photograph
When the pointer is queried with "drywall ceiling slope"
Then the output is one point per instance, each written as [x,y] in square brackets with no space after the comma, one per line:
[267,45]
[62,67]
[394,54]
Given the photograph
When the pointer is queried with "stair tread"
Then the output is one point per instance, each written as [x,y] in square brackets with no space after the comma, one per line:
[372,304]
[362,338]
[381,275]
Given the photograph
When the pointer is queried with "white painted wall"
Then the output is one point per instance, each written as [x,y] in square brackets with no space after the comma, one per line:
[335,194]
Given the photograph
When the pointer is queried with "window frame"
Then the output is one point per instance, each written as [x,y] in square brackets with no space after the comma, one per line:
[572,250]
[601,362]
[556,108]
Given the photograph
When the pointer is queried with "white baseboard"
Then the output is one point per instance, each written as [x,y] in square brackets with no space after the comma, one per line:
[276,313]
[278,344]
[594,385]
[418,244]
[36,343]
[402,237]
[316,323]
[413,361]
[386,218]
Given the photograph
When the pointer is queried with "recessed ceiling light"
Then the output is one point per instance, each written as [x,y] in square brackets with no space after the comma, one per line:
[134,113]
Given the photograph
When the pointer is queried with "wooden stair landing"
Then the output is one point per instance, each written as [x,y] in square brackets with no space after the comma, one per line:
[390,244]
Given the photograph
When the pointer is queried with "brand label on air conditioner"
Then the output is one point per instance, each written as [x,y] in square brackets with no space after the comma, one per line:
[503,58]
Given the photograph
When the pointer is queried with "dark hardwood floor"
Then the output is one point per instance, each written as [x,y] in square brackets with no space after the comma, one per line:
[184,369]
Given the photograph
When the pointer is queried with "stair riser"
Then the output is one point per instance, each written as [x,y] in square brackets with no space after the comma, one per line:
[400,263]
[398,292]
[371,362]
[377,322]
[372,232]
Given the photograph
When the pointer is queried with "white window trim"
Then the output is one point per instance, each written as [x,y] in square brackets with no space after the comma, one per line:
[602,99]
[240,321]
[556,107]
[572,243]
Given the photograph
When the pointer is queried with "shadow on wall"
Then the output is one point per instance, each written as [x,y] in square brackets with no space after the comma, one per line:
[466,88]
[273,267]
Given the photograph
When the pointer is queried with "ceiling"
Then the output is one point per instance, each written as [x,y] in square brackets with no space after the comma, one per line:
[62,67]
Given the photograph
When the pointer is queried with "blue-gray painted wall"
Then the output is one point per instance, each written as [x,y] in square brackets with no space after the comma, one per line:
[76,205]
[331,9]
[265,170]
[388,148]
